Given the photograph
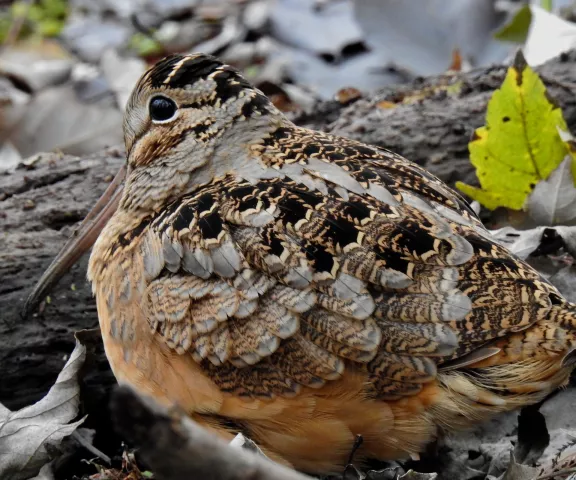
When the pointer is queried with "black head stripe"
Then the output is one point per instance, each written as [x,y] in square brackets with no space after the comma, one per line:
[180,71]
[193,70]
[177,71]
[229,83]
[159,72]
[259,103]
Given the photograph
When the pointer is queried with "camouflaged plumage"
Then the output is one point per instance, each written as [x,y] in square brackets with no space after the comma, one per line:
[280,258]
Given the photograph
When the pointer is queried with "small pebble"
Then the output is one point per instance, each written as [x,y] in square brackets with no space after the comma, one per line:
[29,204]
[348,95]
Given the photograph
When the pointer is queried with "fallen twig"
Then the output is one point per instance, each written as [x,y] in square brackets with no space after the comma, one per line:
[559,474]
[17,24]
[76,435]
[176,448]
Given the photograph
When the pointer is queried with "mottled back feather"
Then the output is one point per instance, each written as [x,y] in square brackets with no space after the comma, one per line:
[349,257]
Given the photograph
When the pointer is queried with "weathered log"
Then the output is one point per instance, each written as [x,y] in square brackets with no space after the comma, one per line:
[40,204]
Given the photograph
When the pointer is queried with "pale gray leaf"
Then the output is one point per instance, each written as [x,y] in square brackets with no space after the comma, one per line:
[162,8]
[233,31]
[421,35]
[177,36]
[36,73]
[568,235]
[520,242]
[517,471]
[118,8]
[553,201]
[241,441]
[564,280]
[9,156]
[364,72]
[325,30]
[412,475]
[13,105]
[56,120]
[524,242]
[309,35]
[27,435]
[45,473]
[548,37]
[121,73]
[558,271]
[256,14]
[90,37]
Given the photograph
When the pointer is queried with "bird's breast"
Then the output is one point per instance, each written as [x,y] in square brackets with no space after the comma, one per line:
[134,352]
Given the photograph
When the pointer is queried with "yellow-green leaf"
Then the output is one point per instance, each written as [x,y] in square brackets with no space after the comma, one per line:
[520,144]
[144,45]
[546,5]
[517,30]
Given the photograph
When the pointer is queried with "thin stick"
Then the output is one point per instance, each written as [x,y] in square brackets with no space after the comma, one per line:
[17,24]
[177,448]
[561,473]
[91,448]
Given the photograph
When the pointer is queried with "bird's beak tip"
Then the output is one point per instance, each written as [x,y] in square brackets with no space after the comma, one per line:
[78,243]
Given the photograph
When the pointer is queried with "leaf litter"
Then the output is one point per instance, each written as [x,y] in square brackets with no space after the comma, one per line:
[322,65]
[29,437]
[553,201]
[520,144]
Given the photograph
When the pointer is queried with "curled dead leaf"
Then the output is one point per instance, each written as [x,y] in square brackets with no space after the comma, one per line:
[28,436]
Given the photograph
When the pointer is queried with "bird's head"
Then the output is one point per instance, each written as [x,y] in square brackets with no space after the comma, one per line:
[185,120]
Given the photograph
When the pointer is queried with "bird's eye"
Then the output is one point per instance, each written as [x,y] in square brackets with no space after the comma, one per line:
[162,109]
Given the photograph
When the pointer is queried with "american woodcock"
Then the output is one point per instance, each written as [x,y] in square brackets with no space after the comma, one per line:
[305,288]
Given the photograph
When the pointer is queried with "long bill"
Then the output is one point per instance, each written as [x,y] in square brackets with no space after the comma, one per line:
[81,240]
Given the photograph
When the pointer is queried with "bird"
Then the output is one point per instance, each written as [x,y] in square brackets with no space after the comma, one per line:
[304,288]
